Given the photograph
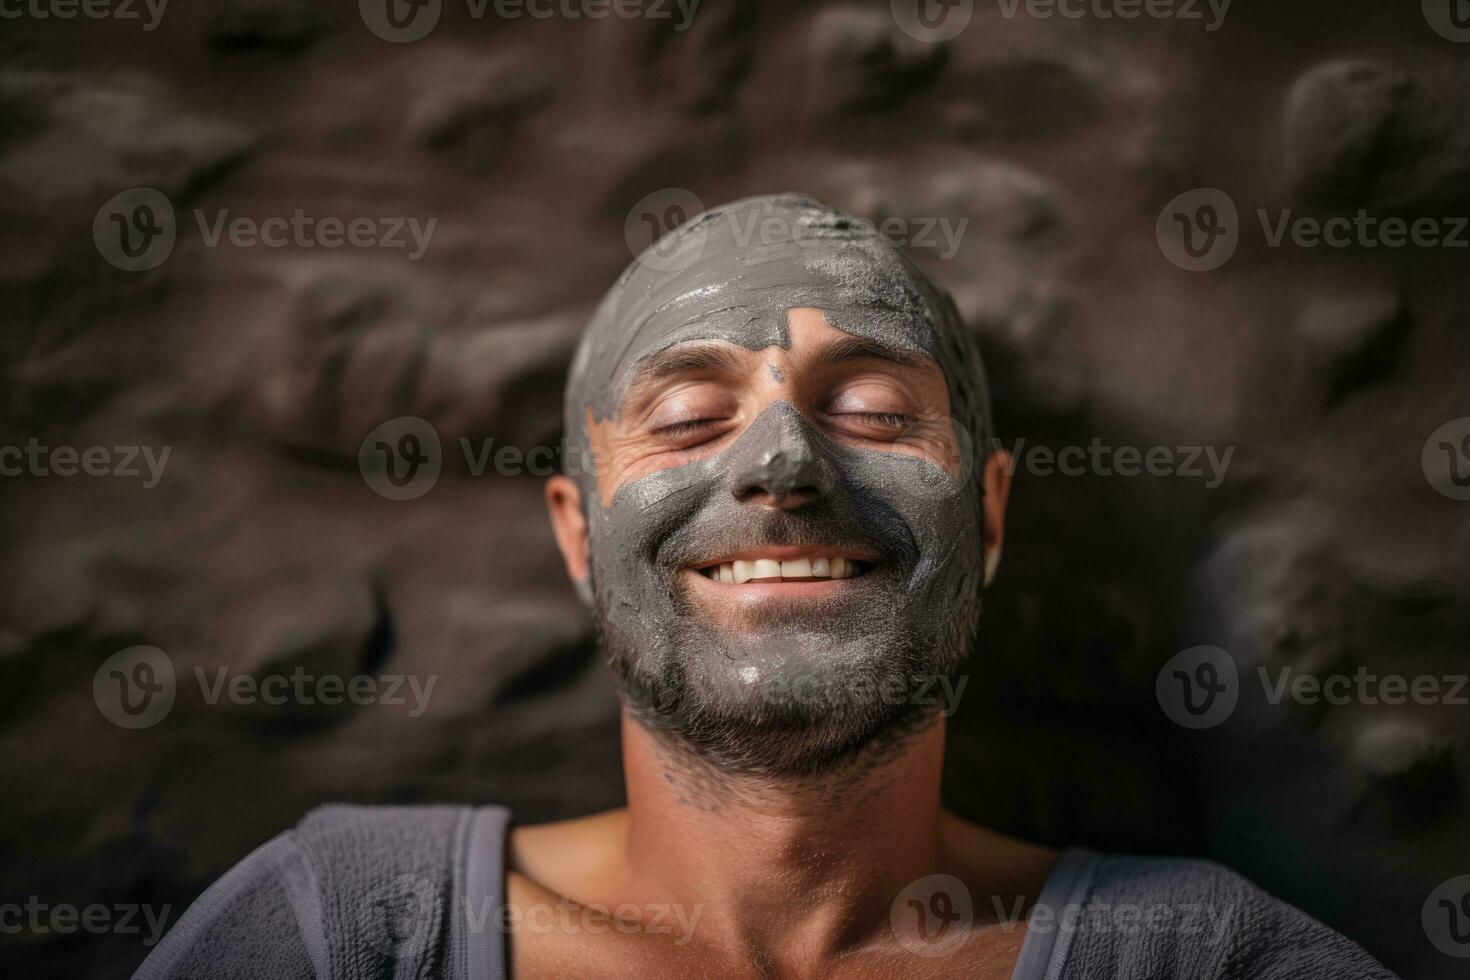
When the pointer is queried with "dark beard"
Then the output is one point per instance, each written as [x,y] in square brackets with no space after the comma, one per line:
[809,719]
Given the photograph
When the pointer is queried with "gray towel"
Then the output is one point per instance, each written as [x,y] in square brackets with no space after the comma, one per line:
[353,893]
[371,893]
[1102,917]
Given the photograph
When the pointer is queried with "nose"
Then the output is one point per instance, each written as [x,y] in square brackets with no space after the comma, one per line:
[778,462]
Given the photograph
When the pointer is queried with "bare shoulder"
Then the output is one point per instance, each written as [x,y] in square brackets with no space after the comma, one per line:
[564,856]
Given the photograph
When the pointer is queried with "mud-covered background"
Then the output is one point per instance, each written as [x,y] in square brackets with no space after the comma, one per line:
[1305,403]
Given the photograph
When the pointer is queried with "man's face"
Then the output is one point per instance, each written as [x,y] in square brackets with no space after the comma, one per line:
[797,509]
[783,531]
[699,401]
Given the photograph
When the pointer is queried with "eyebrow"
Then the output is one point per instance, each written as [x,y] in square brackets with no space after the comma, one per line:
[862,348]
[688,358]
[719,358]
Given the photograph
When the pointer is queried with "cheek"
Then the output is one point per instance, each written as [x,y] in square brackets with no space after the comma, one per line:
[633,462]
[618,459]
[940,509]
[935,442]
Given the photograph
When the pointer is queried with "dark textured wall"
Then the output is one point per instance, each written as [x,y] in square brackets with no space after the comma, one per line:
[1334,542]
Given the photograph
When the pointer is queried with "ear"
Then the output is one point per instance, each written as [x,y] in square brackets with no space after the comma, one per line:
[569,524]
[998,469]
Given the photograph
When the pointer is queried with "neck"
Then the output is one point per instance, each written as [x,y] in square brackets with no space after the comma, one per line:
[805,867]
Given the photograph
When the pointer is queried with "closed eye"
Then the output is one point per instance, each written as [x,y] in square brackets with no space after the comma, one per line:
[690,432]
[686,427]
[890,419]
[877,426]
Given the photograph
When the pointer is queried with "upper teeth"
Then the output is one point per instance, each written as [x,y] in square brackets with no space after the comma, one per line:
[740,572]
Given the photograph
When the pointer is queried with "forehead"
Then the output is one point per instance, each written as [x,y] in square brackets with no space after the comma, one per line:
[716,284]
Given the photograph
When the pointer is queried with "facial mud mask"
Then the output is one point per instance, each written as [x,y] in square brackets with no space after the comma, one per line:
[791,687]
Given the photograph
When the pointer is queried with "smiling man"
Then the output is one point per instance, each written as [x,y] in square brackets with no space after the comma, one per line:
[784,515]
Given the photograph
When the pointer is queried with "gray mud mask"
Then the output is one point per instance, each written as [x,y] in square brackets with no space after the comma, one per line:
[798,692]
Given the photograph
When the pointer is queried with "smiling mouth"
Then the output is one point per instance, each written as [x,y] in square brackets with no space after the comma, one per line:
[765,570]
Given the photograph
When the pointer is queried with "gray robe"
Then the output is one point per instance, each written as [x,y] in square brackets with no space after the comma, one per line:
[416,892]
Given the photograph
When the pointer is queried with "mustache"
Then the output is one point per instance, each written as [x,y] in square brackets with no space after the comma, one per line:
[724,528]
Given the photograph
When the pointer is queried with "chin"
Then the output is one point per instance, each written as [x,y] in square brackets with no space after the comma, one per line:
[775,699]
